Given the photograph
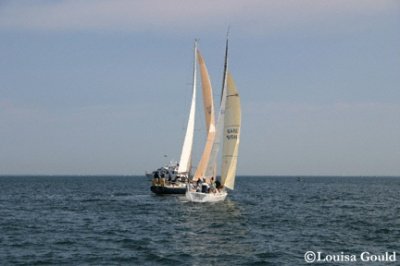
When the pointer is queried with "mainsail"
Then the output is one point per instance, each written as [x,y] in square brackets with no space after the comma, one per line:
[232,122]
[209,115]
[207,92]
[186,154]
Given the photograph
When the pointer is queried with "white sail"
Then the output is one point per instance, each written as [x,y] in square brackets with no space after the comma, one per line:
[212,163]
[227,128]
[209,115]
[231,135]
[186,154]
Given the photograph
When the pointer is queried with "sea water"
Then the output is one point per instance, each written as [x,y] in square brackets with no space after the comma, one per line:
[116,220]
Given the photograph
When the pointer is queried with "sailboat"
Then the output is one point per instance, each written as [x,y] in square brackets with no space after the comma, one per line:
[228,127]
[173,179]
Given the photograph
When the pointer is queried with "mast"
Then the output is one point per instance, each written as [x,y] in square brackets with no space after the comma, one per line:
[186,154]
[225,65]
[212,164]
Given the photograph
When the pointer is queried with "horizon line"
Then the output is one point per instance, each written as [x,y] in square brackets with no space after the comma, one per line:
[242,175]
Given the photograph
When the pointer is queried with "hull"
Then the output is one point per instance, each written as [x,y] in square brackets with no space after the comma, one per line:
[205,197]
[168,189]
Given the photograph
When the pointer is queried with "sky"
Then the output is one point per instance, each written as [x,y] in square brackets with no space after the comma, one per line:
[104,87]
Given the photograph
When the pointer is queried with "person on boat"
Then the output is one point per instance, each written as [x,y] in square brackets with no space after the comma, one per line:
[176,168]
[212,185]
[156,178]
[198,185]
[177,179]
[218,185]
[205,187]
[167,176]
[162,179]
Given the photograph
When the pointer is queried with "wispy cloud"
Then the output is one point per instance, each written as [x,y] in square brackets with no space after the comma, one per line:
[176,15]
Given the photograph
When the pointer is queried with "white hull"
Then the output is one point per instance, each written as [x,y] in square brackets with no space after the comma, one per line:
[205,197]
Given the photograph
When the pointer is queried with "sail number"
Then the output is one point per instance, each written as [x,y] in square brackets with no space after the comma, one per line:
[232,133]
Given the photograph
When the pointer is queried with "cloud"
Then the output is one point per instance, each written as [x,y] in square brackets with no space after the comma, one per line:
[176,15]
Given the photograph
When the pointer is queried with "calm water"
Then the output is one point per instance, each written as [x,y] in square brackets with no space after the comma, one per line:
[266,221]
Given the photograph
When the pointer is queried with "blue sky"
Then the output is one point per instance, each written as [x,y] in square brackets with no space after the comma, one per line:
[103,87]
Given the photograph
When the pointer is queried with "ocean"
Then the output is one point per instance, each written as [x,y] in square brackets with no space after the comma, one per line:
[116,220]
